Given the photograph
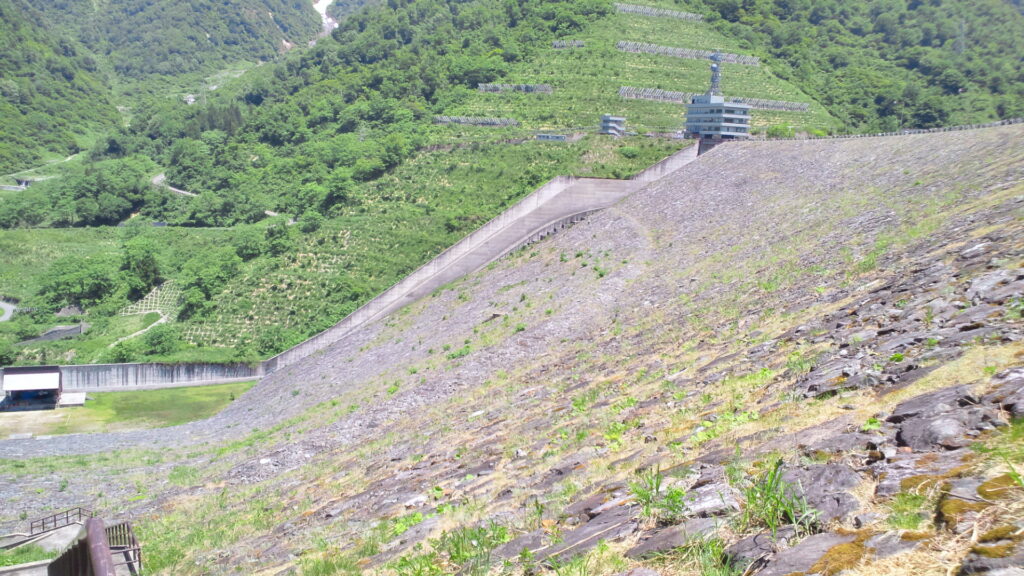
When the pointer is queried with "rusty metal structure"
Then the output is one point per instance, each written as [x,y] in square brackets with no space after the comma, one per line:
[101,551]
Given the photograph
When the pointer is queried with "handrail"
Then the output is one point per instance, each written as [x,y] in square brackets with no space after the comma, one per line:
[124,544]
[59,520]
[100,552]
[903,132]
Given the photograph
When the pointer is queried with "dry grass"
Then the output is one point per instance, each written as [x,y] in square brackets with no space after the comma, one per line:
[943,553]
[970,368]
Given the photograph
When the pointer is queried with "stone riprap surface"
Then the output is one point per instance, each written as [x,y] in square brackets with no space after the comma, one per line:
[843,316]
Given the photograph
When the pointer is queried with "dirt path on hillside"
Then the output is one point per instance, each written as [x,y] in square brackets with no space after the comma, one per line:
[160,181]
[163,318]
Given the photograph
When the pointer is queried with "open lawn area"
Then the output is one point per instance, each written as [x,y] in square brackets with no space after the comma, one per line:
[109,411]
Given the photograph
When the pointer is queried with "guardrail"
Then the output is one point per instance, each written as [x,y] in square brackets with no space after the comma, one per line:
[907,131]
[124,547]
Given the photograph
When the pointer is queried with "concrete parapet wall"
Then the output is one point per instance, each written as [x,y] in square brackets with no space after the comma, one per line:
[401,293]
[909,131]
[666,166]
[554,205]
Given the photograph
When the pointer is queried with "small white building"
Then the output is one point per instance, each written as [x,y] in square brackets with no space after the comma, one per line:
[27,387]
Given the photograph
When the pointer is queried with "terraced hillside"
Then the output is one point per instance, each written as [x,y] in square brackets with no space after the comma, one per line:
[436,196]
[787,357]
[585,81]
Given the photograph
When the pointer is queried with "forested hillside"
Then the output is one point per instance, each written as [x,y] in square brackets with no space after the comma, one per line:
[883,64]
[64,64]
[52,93]
[147,38]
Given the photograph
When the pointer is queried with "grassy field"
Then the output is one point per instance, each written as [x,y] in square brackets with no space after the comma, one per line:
[27,252]
[24,555]
[109,411]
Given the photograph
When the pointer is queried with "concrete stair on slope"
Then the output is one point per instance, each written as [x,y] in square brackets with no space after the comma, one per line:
[52,540]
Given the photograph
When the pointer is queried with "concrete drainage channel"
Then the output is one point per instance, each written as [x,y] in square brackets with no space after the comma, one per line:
[555,205]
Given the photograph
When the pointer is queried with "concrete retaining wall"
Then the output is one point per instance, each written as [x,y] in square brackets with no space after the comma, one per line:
[552,206]
[396,296]
[109,377]
[59,333]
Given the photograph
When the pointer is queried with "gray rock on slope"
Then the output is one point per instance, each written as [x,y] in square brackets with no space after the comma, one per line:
[825,488]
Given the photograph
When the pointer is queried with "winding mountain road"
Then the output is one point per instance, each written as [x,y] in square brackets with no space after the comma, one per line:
[51,163]
[6,311]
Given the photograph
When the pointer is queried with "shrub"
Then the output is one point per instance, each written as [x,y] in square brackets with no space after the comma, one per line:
[771,502]
[470,548]
[779,131]
[629,152]
[163,339]
[708,557]
[667,506]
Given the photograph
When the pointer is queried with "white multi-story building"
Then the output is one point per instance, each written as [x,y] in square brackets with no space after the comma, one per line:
[710,117]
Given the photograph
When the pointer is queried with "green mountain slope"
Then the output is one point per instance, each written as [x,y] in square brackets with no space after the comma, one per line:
[879,65]
[143,39]
[52,94]
[586,81]
[804,354]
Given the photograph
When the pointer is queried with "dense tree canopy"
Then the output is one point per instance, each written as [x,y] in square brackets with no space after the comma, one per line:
[51,89]
[100,193]
[294,137]
[146,38]
[883,64]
